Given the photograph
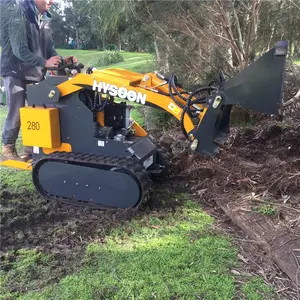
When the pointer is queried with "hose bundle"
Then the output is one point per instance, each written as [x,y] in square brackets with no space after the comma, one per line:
[212,88]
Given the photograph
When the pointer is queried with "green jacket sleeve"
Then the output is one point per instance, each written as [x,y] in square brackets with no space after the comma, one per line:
[19,43]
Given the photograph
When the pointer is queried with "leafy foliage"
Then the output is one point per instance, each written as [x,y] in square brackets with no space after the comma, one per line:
[190,38]
[109,58]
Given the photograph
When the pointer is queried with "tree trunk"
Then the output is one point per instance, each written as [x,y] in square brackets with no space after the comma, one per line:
[157,51]
[120,43]
[296,50]
[167,64]
[77,38]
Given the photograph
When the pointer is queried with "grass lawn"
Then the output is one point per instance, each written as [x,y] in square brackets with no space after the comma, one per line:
[137,62]
[297,61]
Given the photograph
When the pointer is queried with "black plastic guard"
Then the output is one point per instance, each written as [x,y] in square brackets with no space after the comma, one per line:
[259,86]
[214,128]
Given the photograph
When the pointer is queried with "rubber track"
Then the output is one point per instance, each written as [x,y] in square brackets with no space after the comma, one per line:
[131,164]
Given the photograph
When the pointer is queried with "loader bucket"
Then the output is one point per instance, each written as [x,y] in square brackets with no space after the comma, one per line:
[258,87]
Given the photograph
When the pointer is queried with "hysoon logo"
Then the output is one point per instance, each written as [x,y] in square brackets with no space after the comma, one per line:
[121,92]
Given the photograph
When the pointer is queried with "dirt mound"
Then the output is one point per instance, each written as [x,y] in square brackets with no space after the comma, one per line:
[29,221]
[261,165]
[262,159]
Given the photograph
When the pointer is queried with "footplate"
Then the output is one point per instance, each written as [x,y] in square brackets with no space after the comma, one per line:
[91,180]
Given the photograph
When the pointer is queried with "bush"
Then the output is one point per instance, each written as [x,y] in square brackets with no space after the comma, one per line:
[156,119]
[109,58]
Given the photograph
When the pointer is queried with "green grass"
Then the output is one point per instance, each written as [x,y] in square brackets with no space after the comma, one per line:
[161,255]
[256,289]
[297,61]
[24,268]
[137,115]
[17,181]
[137,62]
[266,209]
[154,258]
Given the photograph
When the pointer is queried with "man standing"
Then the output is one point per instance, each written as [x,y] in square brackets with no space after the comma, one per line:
[27,50]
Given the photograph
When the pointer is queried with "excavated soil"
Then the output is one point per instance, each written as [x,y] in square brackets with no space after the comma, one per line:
[29,221]
[260,164]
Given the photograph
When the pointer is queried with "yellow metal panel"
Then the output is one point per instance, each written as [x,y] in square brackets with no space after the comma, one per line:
[127,75]
[100,118]
[40,127]
[139,131]
[64,147]
[17,164]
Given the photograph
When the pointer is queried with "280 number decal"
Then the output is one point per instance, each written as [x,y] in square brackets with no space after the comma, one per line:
[33,125]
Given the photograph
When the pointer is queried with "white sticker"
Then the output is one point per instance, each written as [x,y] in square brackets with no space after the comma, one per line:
[101,143]
[174,108]
[148,162]
[36,150]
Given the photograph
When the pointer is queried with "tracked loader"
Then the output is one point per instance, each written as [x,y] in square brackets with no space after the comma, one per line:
[89,151]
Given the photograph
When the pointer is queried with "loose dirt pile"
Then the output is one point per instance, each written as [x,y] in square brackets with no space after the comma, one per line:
[261,163]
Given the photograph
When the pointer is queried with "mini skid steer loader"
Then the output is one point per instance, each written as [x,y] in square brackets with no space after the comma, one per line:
[89,151]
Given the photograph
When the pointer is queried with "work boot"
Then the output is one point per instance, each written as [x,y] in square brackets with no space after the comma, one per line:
[27,155]
[9,152]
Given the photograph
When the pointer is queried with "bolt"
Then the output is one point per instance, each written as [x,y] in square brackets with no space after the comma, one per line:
[217,101]
[87,185]
[51,94]
[100,188]
[77,183]
[194,145]
[64,181]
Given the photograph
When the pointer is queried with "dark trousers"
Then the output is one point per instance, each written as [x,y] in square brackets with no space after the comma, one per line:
[15,98]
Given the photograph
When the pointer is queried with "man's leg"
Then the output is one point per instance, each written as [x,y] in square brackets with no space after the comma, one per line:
[27,150]
[15,97]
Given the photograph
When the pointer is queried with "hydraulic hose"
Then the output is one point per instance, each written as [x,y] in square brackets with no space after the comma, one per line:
[190,102]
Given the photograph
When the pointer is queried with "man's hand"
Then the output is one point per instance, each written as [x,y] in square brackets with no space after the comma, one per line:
[70,60]
[53,62]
